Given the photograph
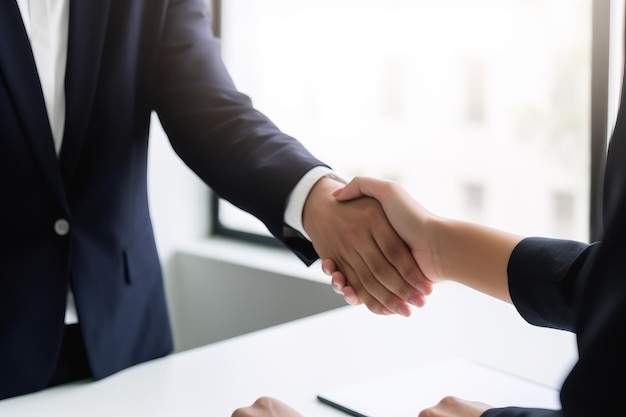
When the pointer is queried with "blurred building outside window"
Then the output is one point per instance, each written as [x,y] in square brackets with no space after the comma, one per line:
[480,108]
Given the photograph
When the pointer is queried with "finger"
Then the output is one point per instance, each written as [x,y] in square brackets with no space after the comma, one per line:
[378,298]
[374,279]
[328,266]
[375,294]
[339,272]
[350,296]
[399,255]
[349,192]
[407,276]
[383,279]
[407,281]
[355,274]
[363,186]
[338,282]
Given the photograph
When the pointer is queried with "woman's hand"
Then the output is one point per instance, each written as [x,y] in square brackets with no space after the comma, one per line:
[456,407]
[266,407]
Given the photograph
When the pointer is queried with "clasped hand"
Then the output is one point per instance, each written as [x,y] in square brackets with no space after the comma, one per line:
[374,243]
[360,247]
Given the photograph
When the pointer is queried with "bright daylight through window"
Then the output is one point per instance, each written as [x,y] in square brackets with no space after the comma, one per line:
[480,108]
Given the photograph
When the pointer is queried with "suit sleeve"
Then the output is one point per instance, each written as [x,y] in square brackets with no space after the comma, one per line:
[215,129]
[521,412]
[544,278]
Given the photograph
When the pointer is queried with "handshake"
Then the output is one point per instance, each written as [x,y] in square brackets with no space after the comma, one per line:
[401,250]
[413,249]
[401,254]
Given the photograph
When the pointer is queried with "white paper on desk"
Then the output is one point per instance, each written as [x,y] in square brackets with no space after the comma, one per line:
[406,394]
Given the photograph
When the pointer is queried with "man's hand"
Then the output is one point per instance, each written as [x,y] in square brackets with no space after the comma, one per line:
[366,251]
[456,407]
[266,407]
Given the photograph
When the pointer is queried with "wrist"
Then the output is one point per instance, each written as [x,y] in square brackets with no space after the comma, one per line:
[320,192]
[294,205]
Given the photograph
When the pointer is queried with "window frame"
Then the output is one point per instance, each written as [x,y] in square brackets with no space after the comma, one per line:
[599,134]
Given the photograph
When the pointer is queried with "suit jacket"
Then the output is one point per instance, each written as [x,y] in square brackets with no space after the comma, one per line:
[126,59]
[582,288]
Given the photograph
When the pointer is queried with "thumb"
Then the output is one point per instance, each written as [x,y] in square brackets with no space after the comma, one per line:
[349,192]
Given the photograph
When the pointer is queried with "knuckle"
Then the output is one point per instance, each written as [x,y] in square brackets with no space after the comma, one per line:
[376,309]
[367,282]
[392,302]
[449,401]
[411,273]
[352,226]
[400,257]
[373,305]
[406,291]
[380,272]
[261,401]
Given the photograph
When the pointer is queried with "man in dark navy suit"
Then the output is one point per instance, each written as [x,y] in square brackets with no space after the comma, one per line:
[81,292]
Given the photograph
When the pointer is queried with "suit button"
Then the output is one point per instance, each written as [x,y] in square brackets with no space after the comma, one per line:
[61,227]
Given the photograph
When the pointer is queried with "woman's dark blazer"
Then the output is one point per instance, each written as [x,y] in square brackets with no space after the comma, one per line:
[582,288]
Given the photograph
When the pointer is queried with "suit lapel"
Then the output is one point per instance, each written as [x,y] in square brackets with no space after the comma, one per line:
[88,21]
[18,68]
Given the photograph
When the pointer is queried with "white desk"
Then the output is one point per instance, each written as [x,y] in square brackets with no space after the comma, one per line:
[297,360]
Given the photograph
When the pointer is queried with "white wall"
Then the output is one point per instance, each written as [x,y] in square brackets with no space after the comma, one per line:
[222,298]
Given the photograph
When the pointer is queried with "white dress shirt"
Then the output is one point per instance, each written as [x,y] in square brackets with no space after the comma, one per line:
[47,23]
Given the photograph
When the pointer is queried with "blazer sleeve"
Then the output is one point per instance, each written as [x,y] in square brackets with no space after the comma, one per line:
[521,412]
[235,149]
[543,277]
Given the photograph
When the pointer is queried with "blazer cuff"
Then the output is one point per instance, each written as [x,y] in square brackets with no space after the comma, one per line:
[295,201]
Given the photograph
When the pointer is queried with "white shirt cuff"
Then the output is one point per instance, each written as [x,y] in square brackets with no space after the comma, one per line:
[295,201]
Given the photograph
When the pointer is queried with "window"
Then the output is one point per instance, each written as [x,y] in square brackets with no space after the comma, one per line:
[563,213]
[480,108]
[474,202]
[475,87]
